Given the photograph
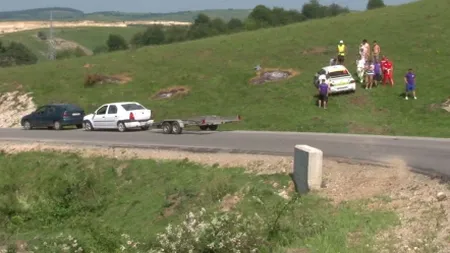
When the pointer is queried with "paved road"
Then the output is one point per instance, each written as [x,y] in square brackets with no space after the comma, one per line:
[420,153]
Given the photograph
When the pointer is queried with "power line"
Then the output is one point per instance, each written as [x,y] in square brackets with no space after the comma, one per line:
[51,41]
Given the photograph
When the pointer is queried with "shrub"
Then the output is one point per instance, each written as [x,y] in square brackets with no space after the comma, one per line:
[216,232]
[41,35]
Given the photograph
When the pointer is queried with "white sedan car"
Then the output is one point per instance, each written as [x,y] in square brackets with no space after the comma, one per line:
[119,115]
[338,77]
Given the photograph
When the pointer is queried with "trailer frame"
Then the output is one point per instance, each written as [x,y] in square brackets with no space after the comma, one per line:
[208,122]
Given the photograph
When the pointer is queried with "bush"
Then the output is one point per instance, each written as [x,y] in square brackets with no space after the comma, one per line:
[100,49]
[41,35]
[70,53]
[16,54]
[116,42]
[217,232]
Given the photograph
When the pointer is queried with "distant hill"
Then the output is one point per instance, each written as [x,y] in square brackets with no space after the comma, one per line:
[68,14]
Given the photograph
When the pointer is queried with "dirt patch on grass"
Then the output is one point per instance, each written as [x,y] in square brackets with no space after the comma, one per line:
[91,80]
[315,51]
[172,202]
[272,75]
[359,100]
[355,128]
[229,202]
[424,218]
[13,106]
[171,92]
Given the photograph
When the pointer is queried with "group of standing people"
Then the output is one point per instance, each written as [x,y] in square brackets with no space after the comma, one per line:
[371,69]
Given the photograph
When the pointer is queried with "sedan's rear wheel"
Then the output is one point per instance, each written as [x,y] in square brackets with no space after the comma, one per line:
[121,127]
[27,125]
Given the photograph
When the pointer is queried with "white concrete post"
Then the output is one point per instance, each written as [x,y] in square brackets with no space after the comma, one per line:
[308,162]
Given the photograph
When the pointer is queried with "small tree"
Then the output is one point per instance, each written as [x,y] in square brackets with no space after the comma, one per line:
[374,4]
[116,42]
[235,24]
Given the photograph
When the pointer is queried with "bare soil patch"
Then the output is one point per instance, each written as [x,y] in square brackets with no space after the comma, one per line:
[424,218]
[173,201]
[229,202]
[355,128]
[315,50]
[171,92]
[62,44]
[91,80]
[13,106]
[446,105]
[359,100]
[272,75]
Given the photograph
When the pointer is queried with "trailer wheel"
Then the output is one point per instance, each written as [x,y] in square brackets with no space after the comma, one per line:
[203,128]
[213,127]
[167,128]
[176,128]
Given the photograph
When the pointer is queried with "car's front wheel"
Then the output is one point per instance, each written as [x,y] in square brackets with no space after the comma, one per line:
[87,126]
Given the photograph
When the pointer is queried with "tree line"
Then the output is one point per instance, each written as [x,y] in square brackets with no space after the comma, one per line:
[205,26]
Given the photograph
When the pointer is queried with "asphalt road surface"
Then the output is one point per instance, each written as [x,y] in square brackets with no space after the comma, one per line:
[430,154]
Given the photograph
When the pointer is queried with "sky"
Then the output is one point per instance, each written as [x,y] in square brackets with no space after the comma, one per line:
[162,6]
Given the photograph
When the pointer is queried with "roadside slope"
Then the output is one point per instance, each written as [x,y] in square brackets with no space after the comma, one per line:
[217,71]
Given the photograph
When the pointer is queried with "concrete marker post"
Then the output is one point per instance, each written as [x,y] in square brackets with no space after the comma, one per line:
[308,162]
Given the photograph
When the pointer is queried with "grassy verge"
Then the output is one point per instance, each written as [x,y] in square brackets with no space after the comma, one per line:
[100,202]
[217,71]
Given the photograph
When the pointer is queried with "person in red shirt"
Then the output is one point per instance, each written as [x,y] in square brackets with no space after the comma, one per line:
[388,72]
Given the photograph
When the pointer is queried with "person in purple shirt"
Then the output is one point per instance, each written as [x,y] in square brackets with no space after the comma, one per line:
[410,81]
[324,89]
[377,70]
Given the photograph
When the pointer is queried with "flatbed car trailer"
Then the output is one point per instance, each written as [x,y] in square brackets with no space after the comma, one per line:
[210,122]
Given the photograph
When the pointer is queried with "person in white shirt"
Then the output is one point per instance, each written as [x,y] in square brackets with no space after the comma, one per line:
[360,69]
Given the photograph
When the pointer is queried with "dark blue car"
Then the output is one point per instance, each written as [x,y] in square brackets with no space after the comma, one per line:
[54,116]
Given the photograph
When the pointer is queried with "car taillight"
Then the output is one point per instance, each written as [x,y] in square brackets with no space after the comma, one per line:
[65,114]
[352,81]
[131,116]
[203,122]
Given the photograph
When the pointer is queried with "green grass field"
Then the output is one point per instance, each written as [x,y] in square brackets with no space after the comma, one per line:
[95,200]
[217,71]
[89,37]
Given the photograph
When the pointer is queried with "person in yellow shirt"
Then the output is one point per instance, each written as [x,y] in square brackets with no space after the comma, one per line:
[342,50]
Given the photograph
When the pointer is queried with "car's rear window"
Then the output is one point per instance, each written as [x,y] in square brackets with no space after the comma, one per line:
[132,107]
[72,108]
[339,73]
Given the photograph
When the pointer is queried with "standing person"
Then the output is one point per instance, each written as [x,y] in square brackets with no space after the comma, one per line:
[342,50]
[366,47]
[388,68]
[370,68]
[360,69]
[376,50]
[377,71]
[324,89]
[410,82]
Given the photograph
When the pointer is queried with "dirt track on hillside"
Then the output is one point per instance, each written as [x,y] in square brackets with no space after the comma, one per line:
[18,26]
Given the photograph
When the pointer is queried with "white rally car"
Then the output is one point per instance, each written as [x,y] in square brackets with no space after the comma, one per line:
[119,115]
[338,77]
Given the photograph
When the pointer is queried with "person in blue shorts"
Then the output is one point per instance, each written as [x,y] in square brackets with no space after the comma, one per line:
[410,81]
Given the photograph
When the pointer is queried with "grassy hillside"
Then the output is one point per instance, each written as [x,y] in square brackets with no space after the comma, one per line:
[97,200]
[217,71]
[89,37]
[73,14]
